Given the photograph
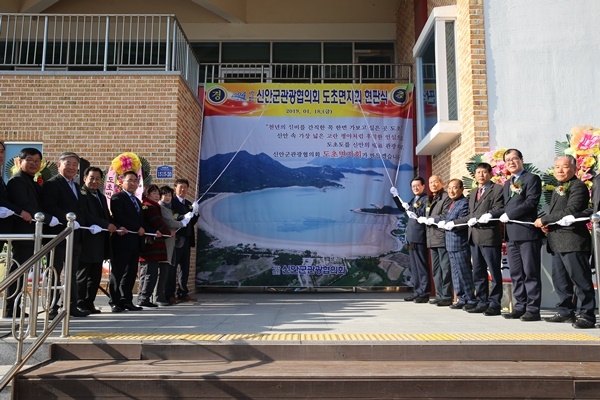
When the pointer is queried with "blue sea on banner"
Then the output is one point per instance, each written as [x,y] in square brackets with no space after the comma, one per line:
[308,214]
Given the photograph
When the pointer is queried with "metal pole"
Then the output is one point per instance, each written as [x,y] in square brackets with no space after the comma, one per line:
[596,231]
[67,273]
[37,245]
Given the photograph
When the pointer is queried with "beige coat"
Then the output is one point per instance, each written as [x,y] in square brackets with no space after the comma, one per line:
[172,223]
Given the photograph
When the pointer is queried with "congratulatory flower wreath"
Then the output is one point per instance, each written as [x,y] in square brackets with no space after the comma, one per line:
[583,143]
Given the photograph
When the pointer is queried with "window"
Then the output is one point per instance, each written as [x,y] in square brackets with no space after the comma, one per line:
[437,84]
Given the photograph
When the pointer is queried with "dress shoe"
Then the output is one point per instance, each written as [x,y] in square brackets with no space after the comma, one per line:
[52,313]
[457,306]
[148,304]
[561,318]
[421,300]
[187,299]
[514,315]
[477,310]
[490,312]
[433,301]
[411,297]
[78,312]
[444,303]
[583,323]
[131,307]
[469,306]
[92,309]
[529,316]
[173,300]
[164,303]
[116,308]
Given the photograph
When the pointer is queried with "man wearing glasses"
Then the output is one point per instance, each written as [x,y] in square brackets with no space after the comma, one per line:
[522,194]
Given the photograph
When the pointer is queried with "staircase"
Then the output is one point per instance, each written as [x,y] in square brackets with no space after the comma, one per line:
[313,370]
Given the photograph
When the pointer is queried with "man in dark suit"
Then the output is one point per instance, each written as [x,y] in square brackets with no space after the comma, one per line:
[523,241]
[485,240]
[185,240]
[416,239]
[436,210]
[95,243]
[127,213]
[60,196]
[457,244]
[26,195]
[570,246]
[7,208]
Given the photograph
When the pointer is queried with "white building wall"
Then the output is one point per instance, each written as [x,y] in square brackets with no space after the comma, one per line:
[543,69]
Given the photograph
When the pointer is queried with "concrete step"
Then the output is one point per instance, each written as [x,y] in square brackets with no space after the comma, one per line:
[314,371]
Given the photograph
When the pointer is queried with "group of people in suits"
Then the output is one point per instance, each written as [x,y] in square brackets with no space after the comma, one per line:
[126,232]
[463,238]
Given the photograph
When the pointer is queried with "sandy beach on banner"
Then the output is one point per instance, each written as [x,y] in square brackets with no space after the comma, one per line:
[371,244]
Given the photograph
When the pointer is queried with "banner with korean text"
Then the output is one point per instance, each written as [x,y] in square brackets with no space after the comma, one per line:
[294,185]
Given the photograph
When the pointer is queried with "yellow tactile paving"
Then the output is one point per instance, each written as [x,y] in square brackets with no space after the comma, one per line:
[327,337]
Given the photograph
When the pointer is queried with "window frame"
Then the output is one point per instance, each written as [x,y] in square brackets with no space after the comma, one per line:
[445,131]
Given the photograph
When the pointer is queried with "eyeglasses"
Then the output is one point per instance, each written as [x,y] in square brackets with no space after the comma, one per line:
[513,159]
[32,160]
[131,180]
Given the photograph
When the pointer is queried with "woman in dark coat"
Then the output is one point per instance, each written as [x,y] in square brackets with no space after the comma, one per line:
[154,249]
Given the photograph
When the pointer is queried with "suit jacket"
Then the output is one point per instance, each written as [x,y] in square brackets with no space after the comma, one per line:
[6,223]
[27,195]
[438,208]
[457,239]
[415,232]
[522,207]
[181,209]
[125,215]
[95,248]
[491,200]
[58,200]
[576,237]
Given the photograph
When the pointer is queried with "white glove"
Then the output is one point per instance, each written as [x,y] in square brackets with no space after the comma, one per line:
[449,225]
[441,224]
[472,222]
[54,221]
[485,218]
[412,215]
[76,225]
[430,221]
[95,229]
[185,221]
[394,191]
[566,220]
[405,205]
[5,212]
[504,218]
[421,220]
[195,207]
[189,215]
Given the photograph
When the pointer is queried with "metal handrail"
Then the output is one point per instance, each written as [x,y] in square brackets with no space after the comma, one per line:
[91,42]
[20,329]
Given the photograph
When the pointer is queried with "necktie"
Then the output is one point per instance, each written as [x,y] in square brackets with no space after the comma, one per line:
[479,192]
[73,188]
[135,203]
[451,205]
[98,198]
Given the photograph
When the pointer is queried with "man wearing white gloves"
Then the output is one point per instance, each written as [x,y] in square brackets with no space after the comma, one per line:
[416,239]
[95,242]
[457,244]
[177,290]
[26,195]
[60,196]
[522,194]
[485,240]
[436,210]
[570,246]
